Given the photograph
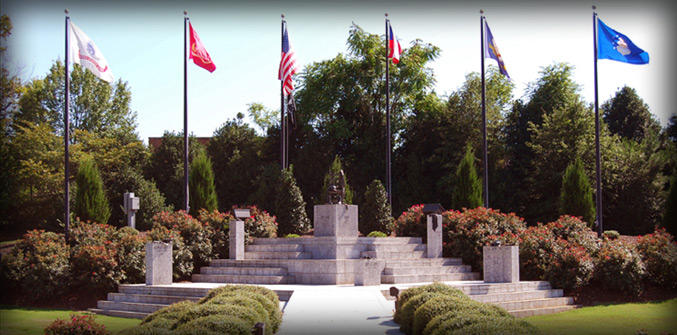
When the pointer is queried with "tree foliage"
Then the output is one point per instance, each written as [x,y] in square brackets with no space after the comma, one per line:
[202,193]
[90,200]
[290,207]
[375,213]
[670,214]
[576,195]
[468,186]
[628,116]
[334,170]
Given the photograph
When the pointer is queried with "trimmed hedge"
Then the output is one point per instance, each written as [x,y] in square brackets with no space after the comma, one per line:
[231,309]
[441,309]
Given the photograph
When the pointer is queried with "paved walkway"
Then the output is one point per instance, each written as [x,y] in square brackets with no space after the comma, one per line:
[329,310]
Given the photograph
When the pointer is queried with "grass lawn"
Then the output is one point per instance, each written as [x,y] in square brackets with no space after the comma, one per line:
[654,317]
[19,320]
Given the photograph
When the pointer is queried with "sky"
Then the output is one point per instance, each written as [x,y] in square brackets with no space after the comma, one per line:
[143,43]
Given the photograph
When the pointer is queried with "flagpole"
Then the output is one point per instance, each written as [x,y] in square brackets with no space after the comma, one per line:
[388,144]
[283,162]
[600,227]
[185,112]
[484,114]
[66,132]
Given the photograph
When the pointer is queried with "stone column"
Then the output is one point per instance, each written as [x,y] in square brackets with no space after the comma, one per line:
[236,243]
[158,263]
[501,264]
[434,237]
[368,272]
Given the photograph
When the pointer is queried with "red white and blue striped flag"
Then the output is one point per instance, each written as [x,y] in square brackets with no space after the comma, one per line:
[288,65]
[395,48]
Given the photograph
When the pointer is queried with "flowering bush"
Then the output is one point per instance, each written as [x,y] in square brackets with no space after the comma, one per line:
[132,254]
[94,263]
[194,233]
[411,222]
[537,245]
[182,257]
[574,230]
[659,254]
[77,325]
[570,267]
[619,267]
[260,223]
[38,265]
[469,231]
[217,224]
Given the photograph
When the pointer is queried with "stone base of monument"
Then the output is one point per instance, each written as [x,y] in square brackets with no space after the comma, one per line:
[501,264]
[158,263]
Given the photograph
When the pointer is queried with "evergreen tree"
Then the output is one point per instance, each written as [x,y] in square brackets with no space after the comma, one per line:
[468,189]
[375,213]
[202,193]
[290,207]
[90,199]
[576,195]
[670,216]
[334,170]
[628,116]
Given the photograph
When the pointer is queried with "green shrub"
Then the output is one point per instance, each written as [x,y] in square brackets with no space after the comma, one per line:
[611,234]
[246,300]
[576,195]
[260,223]
[201,184]
[414,291]
[490,326]
[37,265]
[406,318]
[94,257]
[619,267]
[269,294]
[375,213]
[334,170]
[172,312]
[290,206]
[292,236]
[473,309]
[215,325]
[90,199]
[467,192]
[77,325]
[132,254]
[574,230]
[442,304]
[460,321]
[377,234]
[218,225]
[570,266]
[659,255]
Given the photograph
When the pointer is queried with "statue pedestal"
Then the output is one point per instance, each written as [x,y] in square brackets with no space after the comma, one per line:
[335,220]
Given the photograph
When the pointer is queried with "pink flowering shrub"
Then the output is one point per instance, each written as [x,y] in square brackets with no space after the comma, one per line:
[77,325]
[182,257]
[94,256]
[619,267]
[38,265]
[260,223]
[411,223]
[217,224]
[132,254]
[659,254]
[570,266]
[194,233]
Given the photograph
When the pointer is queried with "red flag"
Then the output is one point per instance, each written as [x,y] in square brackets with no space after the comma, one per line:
[198,53]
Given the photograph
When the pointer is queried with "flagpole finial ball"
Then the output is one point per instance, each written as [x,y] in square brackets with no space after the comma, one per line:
[66,11]
[386,14]
[282,16]
[594,7]
[185,12]
[481,11]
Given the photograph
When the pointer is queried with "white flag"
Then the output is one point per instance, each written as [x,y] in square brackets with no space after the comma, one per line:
[84,52]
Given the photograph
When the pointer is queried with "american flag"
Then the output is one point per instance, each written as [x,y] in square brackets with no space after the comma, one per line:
[288,65]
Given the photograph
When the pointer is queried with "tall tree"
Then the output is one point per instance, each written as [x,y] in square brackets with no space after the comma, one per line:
[96,106]
[670,213]
[375,213]
[201,185]
[90,199]
[628,116]
[234,150]
[468,186]
[576,195]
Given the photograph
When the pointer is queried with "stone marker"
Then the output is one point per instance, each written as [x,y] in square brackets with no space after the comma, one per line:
[158,263]
[368,272]
[434,245]
[335,220]
[236,243]
[501,264]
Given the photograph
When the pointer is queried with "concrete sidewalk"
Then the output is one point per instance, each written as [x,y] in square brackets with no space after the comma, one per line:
[342,309]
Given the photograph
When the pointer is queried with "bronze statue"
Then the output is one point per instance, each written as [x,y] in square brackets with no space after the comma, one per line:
[336,189]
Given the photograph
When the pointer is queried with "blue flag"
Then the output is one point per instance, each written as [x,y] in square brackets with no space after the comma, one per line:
[491,51]
[616,46]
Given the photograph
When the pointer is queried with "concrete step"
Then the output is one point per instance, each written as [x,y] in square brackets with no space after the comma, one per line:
[495,288]
[535,303]
[514,296]
[541,311]
[396,247]
[394,263]
[274,248]
[243,271]
[148,299]
[393,254]
[269,263]
[426,269]
[119,314]
[236,279]
[129,306]
[427,278]
[278,255]
[188,292]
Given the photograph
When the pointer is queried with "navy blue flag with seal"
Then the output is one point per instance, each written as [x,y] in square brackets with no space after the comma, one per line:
[616,46]
[491,50]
